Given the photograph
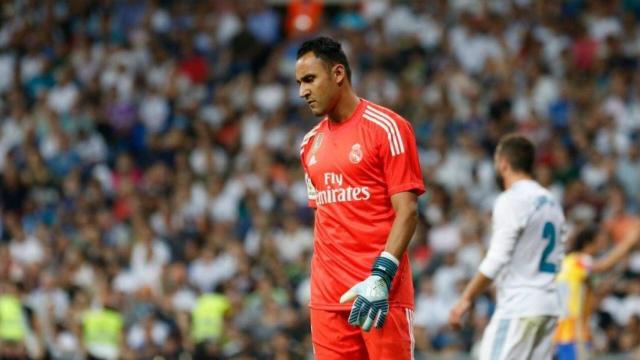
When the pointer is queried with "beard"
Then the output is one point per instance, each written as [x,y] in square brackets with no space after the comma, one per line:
[499,181]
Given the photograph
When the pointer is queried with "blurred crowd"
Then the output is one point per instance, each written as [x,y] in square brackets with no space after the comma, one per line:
[152,201]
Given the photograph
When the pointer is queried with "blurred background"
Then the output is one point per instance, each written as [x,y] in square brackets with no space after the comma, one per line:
[152,202]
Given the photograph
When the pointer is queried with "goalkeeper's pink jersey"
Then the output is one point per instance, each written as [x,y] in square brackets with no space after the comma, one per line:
[351,170]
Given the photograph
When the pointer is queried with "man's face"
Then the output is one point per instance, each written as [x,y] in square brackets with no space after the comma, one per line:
[317,84]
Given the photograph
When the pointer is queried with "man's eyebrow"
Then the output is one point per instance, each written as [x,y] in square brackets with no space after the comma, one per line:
[305,77]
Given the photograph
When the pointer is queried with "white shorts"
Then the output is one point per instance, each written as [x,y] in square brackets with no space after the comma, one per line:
[518,338]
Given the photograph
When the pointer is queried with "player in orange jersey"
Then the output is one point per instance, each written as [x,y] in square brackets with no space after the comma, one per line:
[573,335]
[363,178]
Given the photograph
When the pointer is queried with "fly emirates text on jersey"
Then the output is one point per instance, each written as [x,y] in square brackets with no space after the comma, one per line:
[334,192]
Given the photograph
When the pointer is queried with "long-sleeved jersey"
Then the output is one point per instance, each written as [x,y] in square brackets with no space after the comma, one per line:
[526,250]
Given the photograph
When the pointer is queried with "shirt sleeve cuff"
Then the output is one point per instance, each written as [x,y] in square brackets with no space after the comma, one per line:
[417,188]
[489,268]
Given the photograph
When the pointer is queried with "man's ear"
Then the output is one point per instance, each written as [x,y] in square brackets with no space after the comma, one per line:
[504,164]
[339,73]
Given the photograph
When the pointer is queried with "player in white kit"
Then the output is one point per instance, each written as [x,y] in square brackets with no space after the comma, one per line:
[525,252]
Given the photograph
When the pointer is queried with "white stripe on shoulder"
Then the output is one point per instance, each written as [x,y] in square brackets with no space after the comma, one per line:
[308,136]
[392,133]
[389,125]
[374,120]
[392,121]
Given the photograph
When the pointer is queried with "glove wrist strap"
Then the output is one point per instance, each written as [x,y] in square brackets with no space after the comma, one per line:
[388,255]
[385,268]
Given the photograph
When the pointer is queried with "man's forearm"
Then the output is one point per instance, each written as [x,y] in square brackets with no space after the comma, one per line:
[401,232]
[464,304]
[619,251]
[476,286]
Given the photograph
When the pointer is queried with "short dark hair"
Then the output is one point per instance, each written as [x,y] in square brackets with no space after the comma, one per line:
[584,237]
[326,49]
[519,152]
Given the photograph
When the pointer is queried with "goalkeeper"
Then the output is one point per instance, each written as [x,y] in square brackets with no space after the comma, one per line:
[363,178]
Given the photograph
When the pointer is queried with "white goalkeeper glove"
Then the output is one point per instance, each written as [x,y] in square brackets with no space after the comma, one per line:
[371,304]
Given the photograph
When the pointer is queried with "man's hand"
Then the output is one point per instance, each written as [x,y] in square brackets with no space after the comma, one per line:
[371,304]
[457,312]
[477,285]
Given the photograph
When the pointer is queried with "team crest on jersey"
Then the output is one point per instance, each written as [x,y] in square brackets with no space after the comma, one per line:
[355,156]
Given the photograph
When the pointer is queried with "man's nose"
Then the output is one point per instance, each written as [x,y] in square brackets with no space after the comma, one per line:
[304,92]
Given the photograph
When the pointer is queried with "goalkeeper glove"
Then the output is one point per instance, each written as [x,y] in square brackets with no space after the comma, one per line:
[372,295]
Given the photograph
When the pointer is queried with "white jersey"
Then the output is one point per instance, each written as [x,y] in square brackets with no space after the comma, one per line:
[526,250]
